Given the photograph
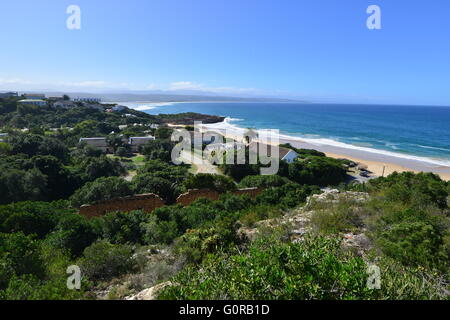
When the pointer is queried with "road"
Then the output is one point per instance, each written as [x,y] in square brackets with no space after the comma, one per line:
[200,165]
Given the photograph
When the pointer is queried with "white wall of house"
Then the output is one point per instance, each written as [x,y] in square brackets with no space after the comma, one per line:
[290,156]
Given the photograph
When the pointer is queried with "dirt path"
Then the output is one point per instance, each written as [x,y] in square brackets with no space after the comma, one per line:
[200,165]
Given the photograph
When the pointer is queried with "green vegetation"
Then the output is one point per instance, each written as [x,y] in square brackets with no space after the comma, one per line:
[225,249]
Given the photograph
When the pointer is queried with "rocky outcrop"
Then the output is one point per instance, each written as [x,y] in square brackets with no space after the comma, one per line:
[150,293]
[334,196]
[297,222]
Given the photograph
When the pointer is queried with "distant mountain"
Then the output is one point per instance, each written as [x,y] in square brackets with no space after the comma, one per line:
[166,97]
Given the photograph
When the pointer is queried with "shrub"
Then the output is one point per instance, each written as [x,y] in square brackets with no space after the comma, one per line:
[101,189]
[103,260]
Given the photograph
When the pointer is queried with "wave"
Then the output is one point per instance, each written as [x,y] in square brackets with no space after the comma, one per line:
[228,125]
[143,106]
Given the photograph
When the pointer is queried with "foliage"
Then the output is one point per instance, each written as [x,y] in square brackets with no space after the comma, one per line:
[103,260]
[215,182]
[101,189]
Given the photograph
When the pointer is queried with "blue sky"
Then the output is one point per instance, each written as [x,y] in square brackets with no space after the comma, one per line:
[319,50]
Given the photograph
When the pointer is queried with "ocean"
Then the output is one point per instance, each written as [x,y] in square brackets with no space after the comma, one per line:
[413,132]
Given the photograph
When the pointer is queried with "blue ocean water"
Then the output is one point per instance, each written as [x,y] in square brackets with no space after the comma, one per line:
[422,131]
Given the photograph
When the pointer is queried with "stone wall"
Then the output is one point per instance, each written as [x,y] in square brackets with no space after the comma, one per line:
[187,198]
[145,202]
[149,202]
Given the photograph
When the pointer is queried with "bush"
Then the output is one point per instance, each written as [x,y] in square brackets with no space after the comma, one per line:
[103,260]
[312,269]
[101,189]
[414,244]
[215,182]
[263,181]
[316,268]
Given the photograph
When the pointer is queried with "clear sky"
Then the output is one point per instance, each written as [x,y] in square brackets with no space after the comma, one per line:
[320,50]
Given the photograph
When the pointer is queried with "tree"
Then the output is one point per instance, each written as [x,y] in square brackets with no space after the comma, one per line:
[210,181]
[103,260]
[148,183]
[101,189]
[114,141]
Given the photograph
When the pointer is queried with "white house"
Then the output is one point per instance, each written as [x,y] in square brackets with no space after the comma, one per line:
[288,155]
[285,154]
[34,102]
[136,142]
[3,136]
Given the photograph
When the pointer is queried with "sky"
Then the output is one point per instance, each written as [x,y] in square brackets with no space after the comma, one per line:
[315,50]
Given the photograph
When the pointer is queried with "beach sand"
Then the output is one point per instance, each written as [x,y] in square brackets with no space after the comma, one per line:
[377,167]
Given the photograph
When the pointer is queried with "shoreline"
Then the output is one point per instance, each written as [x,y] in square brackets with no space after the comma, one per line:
[375,162]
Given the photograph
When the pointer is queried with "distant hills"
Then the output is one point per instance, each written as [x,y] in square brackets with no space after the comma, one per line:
[166,97]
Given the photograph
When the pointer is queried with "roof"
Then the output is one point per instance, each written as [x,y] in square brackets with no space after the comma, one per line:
[281,154]
[31,100]
[100,138]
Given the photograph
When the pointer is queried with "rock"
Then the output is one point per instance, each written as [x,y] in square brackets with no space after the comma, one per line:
[150,293]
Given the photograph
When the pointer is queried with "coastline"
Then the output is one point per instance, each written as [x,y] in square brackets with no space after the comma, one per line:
[375,162]
[375,159]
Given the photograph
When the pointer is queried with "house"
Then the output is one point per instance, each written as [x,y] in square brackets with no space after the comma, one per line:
[8,95]
[88,100]
[288,155]
[64,104]
[118,108]
[34,96]
[34,102]
[154,126]
[285,154]
[3,136]
[99,143]
[136,142]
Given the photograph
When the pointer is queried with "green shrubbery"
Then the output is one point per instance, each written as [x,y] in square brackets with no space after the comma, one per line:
[315,268]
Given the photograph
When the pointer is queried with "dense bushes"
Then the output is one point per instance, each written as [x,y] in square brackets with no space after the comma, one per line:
[315,268]
[413,189]
[103,260]
[101,189]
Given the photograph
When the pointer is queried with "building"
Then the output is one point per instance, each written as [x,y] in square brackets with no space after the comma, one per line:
[8,95]
[118,108]
[284,154]
[136,142]
[88,100]
[64,104]
[34,96]
[3,136]
[34,102]
[99,143]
